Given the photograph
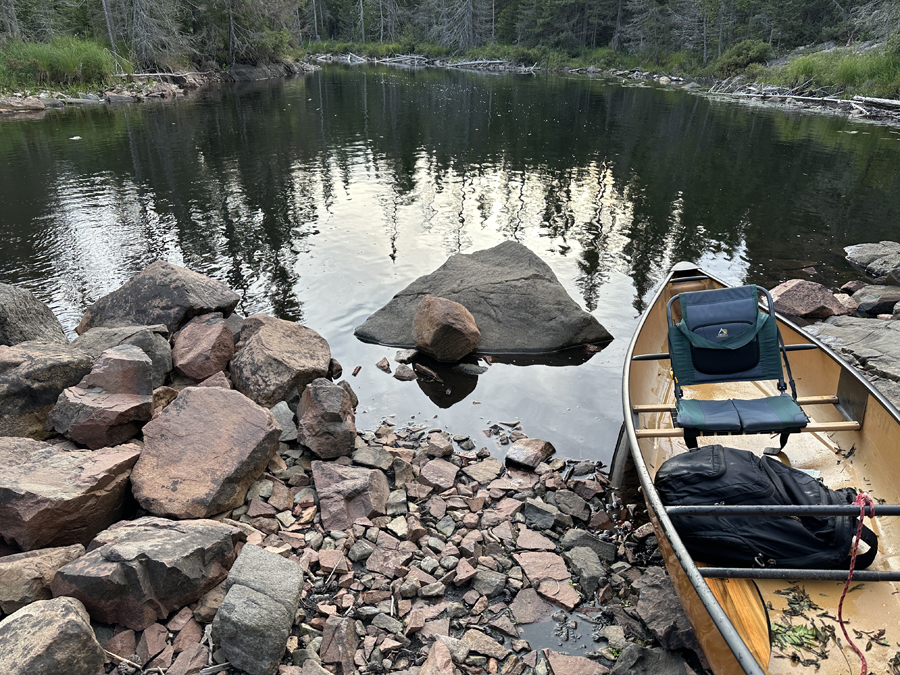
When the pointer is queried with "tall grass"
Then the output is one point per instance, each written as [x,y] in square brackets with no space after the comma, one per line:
[874,73]
[64,61]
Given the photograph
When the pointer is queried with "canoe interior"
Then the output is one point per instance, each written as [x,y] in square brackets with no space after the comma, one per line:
[866,459]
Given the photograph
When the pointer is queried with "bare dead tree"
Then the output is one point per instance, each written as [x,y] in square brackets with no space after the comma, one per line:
[8,19]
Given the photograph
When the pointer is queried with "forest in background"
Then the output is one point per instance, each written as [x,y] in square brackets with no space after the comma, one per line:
[85,40]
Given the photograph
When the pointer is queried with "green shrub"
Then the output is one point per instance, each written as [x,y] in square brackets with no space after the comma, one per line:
[741,55]
[64,61]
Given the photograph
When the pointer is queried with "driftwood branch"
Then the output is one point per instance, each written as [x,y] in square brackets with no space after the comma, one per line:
[883,102]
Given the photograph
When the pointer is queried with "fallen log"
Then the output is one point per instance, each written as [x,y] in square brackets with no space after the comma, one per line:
[883,102]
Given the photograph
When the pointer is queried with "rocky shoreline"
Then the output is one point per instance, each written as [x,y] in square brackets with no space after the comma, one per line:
[185,491]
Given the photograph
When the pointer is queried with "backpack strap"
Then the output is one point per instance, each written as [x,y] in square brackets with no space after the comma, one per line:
[863,560]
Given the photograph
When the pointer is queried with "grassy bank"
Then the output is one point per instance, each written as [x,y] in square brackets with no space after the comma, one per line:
[62,63]
[842,72]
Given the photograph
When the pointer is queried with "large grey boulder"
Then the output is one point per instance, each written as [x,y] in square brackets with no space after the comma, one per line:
[24,318]
[111,403]
[50,497]
[162,293]
[252,630]
[25,577]
[138,572]
[875,300]
[871,344]
[203,452]
[50,637]
[32,376]
[661,611]
[152,340]
[879,261]
[268,573]
[277,359]
[516,300]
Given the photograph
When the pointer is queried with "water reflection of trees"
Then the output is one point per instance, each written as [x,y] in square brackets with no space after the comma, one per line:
[625,179]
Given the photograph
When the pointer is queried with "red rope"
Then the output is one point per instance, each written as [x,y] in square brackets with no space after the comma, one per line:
[862,500]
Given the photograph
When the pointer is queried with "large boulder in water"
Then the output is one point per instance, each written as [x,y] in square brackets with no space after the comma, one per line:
[879,261]
[875,300]
[32,376]
[514,296]
[152,340]
[23,318]
[163,293]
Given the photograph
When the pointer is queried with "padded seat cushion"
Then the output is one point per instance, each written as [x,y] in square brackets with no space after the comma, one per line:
[775,413]
[707,415]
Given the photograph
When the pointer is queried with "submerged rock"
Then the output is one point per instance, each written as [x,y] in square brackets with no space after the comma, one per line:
[515,298]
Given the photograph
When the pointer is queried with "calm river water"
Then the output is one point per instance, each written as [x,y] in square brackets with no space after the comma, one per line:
[319,198]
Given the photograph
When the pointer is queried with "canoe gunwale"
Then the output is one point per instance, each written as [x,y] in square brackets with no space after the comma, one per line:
[723,623]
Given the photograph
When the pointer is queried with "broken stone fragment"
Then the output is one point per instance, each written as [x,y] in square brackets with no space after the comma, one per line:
[203,347]
[50,637]
[277,359]
[25,577]
[348,492]
[111,403]
[251,630]
[529,452]
[174,476]
[325,420]
[52,498]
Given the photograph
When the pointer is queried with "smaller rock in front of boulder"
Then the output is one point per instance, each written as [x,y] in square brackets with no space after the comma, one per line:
[444,329]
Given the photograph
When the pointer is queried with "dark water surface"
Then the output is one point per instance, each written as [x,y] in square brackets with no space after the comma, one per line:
[319,198]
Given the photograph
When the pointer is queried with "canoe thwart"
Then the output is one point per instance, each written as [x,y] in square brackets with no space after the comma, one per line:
[809,428]
[664,356]
[793,574]
[668,407]
[780,510]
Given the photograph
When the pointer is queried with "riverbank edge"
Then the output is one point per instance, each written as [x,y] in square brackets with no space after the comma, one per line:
[735,89]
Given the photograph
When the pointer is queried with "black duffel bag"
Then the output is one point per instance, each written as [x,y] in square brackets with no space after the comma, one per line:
[714,474]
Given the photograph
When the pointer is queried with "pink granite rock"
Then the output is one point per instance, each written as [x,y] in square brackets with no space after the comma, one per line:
[203,347]
[111,403]
[444,329]
[203,452]
[49,497]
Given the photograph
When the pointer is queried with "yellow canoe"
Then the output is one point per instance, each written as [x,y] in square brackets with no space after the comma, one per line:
[747,623]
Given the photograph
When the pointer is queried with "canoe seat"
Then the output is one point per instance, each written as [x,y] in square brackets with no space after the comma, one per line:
[724,337]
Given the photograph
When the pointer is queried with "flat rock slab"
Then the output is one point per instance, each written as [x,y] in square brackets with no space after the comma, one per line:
[138,572]
[528,607]
[534,541]
[50,637]
[277,359]
[203,452]
[529,452]
[484,471]
[480,643]
[53,498]
[152,340]
[563,664]
[24,318]
[515,298]
[347,493]
[871,344]
[25,577]
[162,293]
[879,261]
[32,376]
[438,473]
